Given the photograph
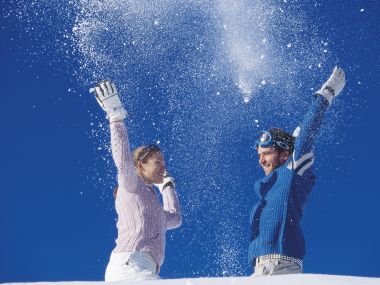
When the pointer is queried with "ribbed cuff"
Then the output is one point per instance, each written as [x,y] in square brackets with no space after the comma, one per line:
[325,93]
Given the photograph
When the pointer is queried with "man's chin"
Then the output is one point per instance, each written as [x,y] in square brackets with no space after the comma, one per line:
[267,171]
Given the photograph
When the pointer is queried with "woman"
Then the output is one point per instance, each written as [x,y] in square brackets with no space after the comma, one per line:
[142,220]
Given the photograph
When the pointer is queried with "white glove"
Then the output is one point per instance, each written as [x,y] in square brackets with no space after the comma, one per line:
[334,85]
[108,99]
[168,180]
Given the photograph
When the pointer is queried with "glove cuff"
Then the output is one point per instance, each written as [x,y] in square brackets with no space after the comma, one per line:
[168,181]
[326,92]
[116,115]
[167,184]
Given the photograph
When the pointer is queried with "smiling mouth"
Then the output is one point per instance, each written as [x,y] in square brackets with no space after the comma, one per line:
[266,168]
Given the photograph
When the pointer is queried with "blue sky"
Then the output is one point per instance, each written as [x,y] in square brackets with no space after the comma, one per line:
[201,79]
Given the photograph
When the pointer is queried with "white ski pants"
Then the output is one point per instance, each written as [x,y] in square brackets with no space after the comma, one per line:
[276,267]
[135,265]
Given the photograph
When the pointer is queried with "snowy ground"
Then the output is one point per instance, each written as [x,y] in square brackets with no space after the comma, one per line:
[298,279]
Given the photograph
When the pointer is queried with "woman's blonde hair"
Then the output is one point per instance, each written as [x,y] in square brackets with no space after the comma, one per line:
[142,153]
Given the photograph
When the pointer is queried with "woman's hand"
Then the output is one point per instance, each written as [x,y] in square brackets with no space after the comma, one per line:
[167,181]
[107,97]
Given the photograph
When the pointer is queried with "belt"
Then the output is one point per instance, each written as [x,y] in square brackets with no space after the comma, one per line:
[280,257]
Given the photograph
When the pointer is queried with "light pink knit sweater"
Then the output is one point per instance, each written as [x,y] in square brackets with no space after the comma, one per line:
[142,220]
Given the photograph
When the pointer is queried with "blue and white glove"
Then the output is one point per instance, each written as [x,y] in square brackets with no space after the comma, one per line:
[108,99]
[168,181]
[334,85]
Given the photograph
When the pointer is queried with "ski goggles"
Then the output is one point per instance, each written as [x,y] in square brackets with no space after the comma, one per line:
[266,140]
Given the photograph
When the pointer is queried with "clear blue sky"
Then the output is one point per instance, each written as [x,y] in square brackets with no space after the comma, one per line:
[202,79]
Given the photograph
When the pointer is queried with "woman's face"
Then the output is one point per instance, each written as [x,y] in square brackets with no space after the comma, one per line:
[153,169]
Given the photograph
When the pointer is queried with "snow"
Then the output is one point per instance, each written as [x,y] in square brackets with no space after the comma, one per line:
[293,279]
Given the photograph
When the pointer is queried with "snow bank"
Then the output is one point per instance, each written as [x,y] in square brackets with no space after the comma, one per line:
[295,279]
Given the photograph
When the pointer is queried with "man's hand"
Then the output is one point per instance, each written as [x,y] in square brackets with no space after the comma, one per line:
[334,85]
[168,180]
[108,99]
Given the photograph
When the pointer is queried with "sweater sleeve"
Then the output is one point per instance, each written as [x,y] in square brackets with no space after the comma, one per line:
[171,208]
[303,155]
[127,177]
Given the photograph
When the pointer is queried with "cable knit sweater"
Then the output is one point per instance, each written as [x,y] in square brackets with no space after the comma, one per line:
[282,195]
[142,220]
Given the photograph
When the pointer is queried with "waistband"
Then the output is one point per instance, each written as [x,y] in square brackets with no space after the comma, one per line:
[144,259]
[263,258]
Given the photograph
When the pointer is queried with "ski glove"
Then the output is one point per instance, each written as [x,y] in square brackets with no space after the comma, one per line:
[107,97]
[168,181]
[334,85]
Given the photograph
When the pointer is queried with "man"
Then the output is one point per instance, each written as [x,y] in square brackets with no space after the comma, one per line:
[277,243]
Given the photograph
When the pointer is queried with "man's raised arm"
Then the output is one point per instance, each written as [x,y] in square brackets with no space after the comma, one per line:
[303,156]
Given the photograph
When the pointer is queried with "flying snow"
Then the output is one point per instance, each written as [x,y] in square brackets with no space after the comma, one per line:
[169,59]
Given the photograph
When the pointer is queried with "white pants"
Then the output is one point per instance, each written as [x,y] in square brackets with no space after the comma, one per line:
[135,265]
[276,267]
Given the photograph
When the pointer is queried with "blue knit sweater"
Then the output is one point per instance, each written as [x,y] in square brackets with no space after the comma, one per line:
[281,196]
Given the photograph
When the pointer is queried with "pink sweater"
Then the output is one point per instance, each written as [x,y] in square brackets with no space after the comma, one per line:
[142,220]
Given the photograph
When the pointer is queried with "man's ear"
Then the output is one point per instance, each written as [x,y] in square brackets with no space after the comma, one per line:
[284,155]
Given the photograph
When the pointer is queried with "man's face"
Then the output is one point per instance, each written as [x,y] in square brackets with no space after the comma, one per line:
[269,158]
